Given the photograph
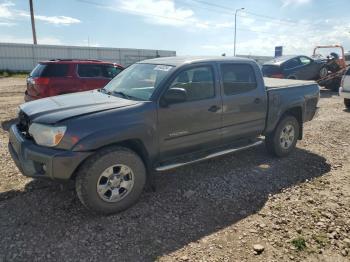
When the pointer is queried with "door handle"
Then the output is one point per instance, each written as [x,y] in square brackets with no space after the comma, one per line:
[257,100]
[214,108]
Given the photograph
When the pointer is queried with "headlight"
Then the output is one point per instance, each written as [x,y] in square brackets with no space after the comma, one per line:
[47,135]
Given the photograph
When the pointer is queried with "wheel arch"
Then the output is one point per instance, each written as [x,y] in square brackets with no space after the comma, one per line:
[136,145]
[297,112]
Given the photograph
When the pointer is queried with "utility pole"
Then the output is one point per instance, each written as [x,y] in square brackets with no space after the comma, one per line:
[33,21]
[234,45]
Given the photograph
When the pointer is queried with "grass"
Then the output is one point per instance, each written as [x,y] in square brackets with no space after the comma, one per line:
[7,73]
[299,243]
[321,239]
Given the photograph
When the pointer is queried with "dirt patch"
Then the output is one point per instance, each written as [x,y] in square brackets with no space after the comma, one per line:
[243,207]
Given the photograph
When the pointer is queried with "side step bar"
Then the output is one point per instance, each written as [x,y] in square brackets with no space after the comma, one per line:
[216,154]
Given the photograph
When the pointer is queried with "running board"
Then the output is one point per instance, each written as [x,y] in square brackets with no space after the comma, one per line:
[216,154]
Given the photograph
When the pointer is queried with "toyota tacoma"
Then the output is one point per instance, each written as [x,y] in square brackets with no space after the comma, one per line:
[157,115]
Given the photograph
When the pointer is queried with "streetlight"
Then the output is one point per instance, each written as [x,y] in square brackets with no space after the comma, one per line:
[32,20]
[234,46]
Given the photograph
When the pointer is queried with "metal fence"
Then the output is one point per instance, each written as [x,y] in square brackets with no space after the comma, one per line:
[23,57]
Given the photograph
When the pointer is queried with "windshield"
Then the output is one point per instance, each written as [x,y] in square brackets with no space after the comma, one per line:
[138,81]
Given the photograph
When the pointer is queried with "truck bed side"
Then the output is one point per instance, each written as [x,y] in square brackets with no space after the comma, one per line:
[293,96]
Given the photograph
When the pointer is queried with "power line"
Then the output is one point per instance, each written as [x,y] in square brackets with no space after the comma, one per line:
[205,8]
[248,14]
[272,18]
[225,8]
[169,18]
[214,5]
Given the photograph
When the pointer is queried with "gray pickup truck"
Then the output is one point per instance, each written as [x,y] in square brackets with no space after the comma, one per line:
[157,115]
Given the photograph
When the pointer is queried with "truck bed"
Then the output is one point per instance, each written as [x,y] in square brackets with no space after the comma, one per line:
[284,94]
[271,83]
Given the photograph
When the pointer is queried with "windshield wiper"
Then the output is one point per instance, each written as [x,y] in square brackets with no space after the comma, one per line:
[104,91]
[122,94]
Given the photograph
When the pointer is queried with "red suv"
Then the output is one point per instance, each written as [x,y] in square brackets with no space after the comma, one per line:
[62,76]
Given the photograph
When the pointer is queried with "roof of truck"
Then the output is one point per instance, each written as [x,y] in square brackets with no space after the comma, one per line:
[181,60]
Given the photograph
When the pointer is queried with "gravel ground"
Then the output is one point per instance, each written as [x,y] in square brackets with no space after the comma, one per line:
[242,207]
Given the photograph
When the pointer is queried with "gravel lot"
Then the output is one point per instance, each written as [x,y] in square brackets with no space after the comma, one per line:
[296,208]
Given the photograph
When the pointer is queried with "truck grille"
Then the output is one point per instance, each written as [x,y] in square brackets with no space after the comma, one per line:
[23,124]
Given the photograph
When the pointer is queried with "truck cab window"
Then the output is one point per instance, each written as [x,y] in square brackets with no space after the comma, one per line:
[198,83]
[237,78]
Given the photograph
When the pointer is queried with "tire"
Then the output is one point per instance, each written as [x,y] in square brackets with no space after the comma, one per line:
[120,175]
[347,103]
[273,140]
[292,77]
[323,72]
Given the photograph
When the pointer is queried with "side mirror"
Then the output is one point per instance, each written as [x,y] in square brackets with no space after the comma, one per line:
[174,95]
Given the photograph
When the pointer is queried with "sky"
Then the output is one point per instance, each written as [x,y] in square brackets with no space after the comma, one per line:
[189,27]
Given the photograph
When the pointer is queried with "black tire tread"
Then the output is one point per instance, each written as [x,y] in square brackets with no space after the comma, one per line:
[83,175]
[271,146]
[347,103]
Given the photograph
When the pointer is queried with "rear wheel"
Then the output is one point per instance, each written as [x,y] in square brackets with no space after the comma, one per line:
[323,72]
[282,141]
[111,181]
[347,103]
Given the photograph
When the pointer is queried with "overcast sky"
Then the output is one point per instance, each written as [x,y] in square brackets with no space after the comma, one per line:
[190,27]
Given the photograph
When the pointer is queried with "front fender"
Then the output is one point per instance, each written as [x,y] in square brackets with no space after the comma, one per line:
[110,136]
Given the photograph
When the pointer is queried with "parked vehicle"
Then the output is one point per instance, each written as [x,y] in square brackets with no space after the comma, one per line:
[335,65]
[294,67]
[347,58]
[344,90]
[157,115]
[62,76]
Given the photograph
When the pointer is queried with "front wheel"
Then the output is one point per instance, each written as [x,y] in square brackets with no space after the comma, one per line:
[347,103]
[111,181]
[282,141]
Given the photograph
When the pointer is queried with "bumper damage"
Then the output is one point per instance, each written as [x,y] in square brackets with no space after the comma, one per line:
[41,162]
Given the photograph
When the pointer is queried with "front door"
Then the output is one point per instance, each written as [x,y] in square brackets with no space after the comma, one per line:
[195,124]
[310,69]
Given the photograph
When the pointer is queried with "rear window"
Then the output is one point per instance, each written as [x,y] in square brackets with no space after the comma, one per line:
[238,78]
[270,70]
[36,72]
[50,70]
[96,71]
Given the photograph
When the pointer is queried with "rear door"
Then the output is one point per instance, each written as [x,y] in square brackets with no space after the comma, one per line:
[244,101]
[60,80]
[94,76]
[195,124]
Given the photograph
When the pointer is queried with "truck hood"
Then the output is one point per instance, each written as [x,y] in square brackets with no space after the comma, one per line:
[58,108]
